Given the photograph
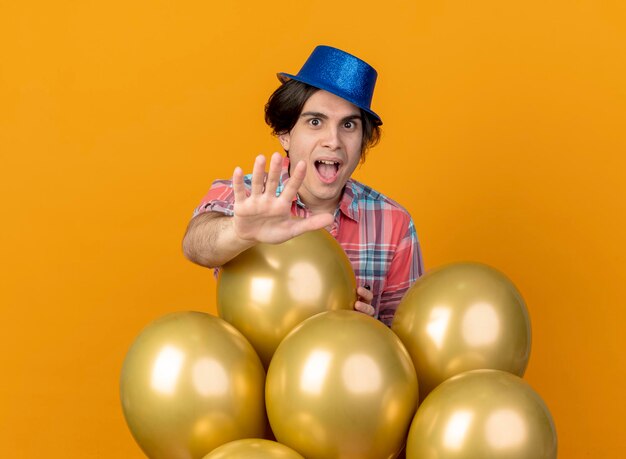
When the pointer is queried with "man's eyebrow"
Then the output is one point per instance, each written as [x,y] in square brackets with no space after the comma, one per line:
[314,114]
[356,116]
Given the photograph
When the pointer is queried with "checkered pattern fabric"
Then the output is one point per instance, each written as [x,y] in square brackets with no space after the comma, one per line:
[376,233]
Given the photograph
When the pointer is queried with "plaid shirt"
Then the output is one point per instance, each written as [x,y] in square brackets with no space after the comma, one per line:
[376,233]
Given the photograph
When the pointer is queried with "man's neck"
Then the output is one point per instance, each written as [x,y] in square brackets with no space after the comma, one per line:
[320,207]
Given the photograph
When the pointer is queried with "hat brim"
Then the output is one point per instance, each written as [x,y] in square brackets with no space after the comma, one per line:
[284,77]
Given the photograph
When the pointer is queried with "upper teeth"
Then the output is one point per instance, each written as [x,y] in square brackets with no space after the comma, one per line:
[323,161]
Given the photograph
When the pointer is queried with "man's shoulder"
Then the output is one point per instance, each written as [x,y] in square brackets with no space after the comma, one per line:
[368,197]
[222,183]
[228,183]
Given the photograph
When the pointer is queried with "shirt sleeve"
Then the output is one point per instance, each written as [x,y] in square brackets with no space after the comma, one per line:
[406,266]
[220,198]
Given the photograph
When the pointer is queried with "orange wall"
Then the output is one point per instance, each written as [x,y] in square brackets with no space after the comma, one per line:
[504,136]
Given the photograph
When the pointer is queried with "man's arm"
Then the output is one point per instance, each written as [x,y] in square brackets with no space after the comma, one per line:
[262,216]
[211,240]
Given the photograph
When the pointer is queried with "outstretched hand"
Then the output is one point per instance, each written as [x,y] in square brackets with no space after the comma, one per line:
[265,217]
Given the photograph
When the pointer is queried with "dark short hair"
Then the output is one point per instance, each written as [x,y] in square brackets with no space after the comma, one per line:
[284,106]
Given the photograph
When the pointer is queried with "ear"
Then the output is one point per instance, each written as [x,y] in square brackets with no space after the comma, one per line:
[284,140]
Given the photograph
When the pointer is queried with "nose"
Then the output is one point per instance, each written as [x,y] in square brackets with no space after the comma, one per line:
[331,138]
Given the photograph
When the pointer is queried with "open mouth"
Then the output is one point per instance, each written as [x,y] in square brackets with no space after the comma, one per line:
[327,169]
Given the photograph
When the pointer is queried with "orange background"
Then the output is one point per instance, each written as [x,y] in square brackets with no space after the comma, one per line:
[504,136]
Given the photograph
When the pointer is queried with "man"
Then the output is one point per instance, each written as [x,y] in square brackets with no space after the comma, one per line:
[323,120]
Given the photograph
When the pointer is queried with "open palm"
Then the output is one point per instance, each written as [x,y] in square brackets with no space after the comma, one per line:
[264,217]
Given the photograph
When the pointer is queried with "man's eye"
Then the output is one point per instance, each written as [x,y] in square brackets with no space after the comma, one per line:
[348,125]
[314,122]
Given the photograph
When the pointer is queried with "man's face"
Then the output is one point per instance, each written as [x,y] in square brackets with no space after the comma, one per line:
[327,137]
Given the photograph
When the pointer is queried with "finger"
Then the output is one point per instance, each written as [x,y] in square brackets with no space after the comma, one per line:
[238,186]
[258,175]
[274,174]
[295,180]
[366,295]
[364,308]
